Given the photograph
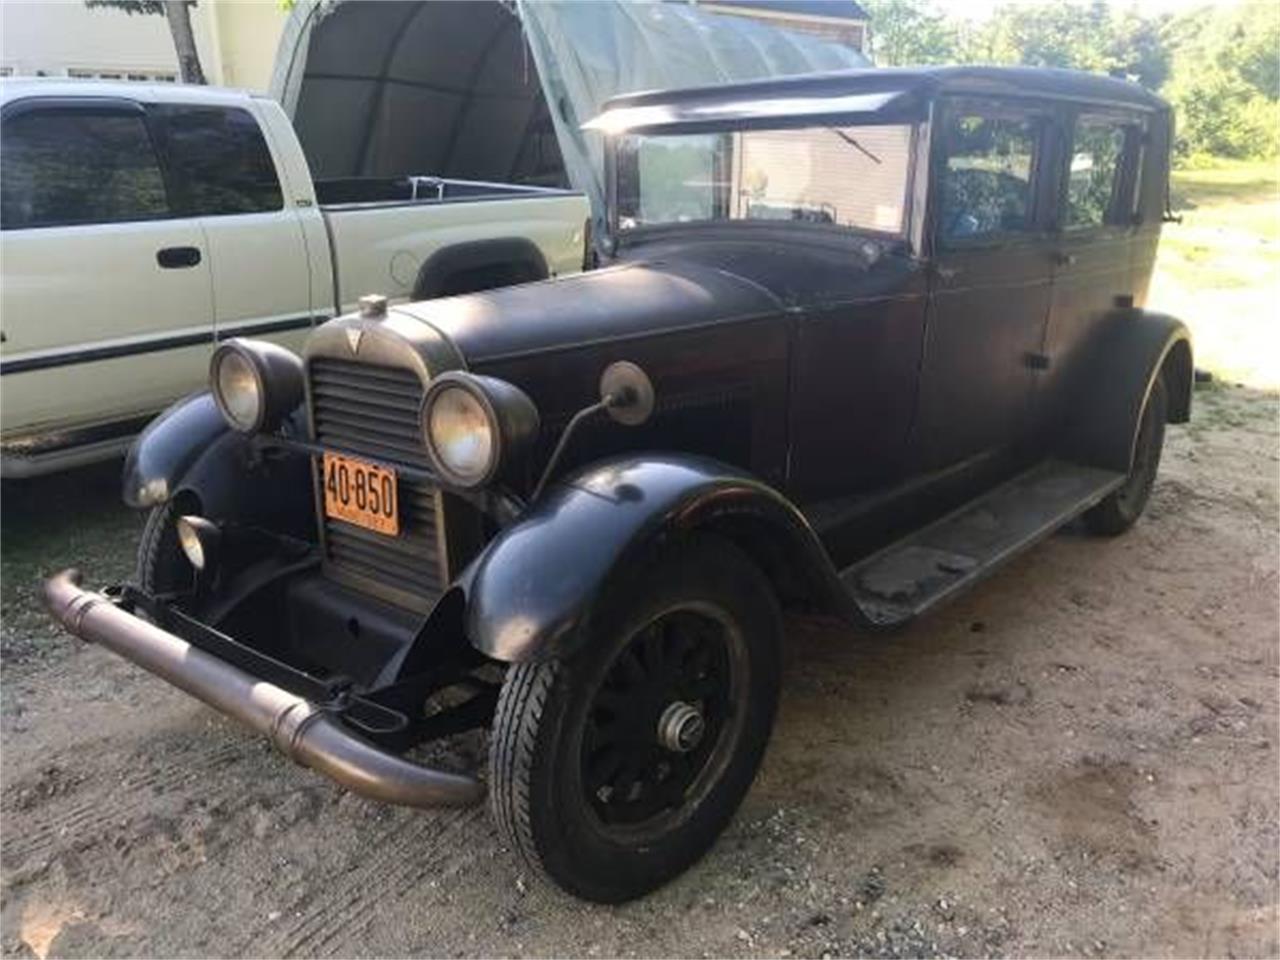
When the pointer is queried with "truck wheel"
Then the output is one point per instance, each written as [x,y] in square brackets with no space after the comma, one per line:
[613,770]
[1120,509]
[162,566]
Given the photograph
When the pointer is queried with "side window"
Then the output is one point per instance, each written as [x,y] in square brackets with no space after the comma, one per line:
[988,169]
[1094,178]
[62,167]
[218,161]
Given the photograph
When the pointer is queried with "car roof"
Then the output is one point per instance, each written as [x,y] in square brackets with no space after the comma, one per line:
[887,92]
[21,88]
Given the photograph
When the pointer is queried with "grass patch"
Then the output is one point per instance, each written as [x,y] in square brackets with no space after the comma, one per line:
[1225,182]
[1220,268]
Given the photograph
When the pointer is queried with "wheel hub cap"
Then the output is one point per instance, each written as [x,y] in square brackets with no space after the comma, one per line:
[681,727]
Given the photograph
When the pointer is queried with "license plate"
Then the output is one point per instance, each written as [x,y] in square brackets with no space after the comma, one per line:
[361,493]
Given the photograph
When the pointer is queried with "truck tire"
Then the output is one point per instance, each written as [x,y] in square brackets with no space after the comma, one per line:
[162,566]
[616,768]
[1121,508]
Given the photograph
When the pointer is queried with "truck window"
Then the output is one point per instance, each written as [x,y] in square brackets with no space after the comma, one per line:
[218,161]
[1094,178]
[988,169]
[61,167]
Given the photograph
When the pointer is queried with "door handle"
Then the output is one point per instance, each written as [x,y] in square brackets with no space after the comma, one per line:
[1064,259]
[177,258]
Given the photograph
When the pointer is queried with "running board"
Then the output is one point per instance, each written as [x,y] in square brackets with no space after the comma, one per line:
[924,568]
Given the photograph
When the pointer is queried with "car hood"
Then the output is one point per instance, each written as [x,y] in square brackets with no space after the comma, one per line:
[608,305]
[665,287]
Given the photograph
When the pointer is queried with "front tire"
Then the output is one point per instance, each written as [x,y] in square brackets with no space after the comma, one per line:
[162,566]
[1121,508]
[613,770]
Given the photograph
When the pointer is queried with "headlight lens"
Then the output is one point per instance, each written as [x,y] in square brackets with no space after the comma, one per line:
[237,390]
[460,435]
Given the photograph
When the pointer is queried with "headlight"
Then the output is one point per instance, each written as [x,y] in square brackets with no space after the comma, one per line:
[461,435]
[474,427]
[255,383]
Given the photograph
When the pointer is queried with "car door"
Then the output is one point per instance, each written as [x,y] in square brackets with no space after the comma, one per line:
[105,305]
[989,297]
[1094,256]
[223,172]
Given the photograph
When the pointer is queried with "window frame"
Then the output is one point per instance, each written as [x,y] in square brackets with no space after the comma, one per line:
[1122,208]
[100,106]
[1042,209]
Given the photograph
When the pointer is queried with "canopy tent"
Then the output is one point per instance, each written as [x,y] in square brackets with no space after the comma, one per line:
[462,89]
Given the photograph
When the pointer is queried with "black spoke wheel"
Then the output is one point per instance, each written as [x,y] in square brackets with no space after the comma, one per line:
[1121,508]
[662,723]
[615,768]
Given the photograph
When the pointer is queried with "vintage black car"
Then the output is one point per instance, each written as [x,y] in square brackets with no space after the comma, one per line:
[855,340]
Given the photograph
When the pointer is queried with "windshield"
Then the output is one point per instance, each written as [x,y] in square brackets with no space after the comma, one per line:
[851,176]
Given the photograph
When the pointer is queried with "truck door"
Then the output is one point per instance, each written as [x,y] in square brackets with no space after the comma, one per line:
[106,306]
[990,290]
[223,172]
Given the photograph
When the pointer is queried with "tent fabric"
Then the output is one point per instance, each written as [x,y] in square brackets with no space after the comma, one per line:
[451,89]
[385,89]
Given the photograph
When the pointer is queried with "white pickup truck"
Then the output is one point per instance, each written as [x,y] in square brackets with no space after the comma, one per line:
[140,224]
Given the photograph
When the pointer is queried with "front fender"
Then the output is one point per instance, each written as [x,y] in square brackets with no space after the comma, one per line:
[1130,352]
[169,447]
[534,589]
[190,449]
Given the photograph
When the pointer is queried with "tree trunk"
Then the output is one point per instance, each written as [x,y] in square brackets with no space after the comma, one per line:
[178,13]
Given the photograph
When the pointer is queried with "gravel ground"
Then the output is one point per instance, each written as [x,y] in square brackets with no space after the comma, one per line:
[1078,758]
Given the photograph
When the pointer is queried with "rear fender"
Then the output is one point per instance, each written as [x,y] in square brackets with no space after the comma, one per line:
[478,265]
[536,587]
[1131,351]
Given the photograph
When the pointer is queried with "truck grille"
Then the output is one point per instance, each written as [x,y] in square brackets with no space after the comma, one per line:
[372,411]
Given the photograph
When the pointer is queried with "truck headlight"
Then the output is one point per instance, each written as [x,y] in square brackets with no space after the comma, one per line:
[256,384]
[474,427]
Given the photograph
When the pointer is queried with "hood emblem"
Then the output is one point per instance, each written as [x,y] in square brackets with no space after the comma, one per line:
[353,338]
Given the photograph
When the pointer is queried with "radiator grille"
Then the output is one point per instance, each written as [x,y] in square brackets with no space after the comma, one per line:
[373,411]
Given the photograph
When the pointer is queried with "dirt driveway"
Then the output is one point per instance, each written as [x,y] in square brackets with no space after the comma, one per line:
[1079,758]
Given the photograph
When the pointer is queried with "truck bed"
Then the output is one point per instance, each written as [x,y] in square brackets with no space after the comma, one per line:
[384,233]
[389,191]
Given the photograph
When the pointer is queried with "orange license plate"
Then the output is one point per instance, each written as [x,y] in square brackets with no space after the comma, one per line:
[362,493]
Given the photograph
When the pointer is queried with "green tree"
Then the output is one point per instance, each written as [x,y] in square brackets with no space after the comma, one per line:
[1218,65]
[905,32]
[1253,42]
[178,15]
[1081,36]
[1225,81]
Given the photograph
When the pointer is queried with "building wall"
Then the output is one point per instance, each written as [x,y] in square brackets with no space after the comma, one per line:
[247,33]
[58,37]
[236,40]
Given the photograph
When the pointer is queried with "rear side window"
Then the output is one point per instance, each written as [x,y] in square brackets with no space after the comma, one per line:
[1093,181]
[62,167]
[218,161]
[987,174]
